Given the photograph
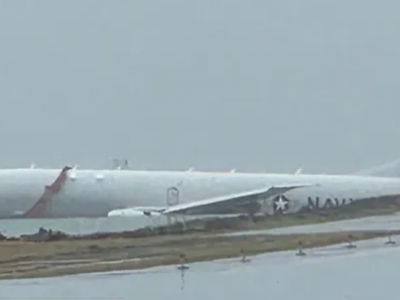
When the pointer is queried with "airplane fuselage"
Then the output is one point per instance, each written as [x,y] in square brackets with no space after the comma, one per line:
[94,193]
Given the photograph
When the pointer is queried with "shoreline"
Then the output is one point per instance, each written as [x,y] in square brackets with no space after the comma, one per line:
[20,260]
[216,225]
[57,254]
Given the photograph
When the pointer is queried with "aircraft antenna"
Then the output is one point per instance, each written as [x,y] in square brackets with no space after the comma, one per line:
[120,164]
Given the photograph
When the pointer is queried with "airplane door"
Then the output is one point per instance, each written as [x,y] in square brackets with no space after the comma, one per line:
[172,196]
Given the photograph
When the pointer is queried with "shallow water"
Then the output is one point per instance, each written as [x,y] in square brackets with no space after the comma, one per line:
[14,227]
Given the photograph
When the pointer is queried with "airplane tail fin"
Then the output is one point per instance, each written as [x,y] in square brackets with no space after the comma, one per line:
[391,169]
[298,171]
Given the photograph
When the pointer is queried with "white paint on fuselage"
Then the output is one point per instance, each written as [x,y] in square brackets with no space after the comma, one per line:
[96,192]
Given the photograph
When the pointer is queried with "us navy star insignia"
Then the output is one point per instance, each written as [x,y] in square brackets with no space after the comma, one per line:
[281,204]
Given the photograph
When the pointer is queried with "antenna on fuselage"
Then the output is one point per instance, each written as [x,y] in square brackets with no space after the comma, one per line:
[32,166]
[299,170]
[190,169]
[233,170]
[120,164]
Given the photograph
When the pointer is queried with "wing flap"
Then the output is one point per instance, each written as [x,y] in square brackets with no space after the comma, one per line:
[199,207]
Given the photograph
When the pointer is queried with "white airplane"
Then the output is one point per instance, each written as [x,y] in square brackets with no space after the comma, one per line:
[41,193]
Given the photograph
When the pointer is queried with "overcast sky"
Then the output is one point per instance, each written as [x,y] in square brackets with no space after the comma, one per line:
[253,85]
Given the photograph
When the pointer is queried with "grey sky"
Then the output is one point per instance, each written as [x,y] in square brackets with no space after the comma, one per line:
[253,85]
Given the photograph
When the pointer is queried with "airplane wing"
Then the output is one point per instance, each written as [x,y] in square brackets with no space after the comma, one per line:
[207,205]
[135,211]
[202,206]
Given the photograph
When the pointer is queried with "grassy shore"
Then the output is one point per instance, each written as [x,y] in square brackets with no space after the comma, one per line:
[26,259]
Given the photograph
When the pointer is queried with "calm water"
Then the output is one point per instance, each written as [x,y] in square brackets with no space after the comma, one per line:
[77,226]
[15,227]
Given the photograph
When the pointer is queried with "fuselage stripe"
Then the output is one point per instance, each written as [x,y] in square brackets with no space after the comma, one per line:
[39,208]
